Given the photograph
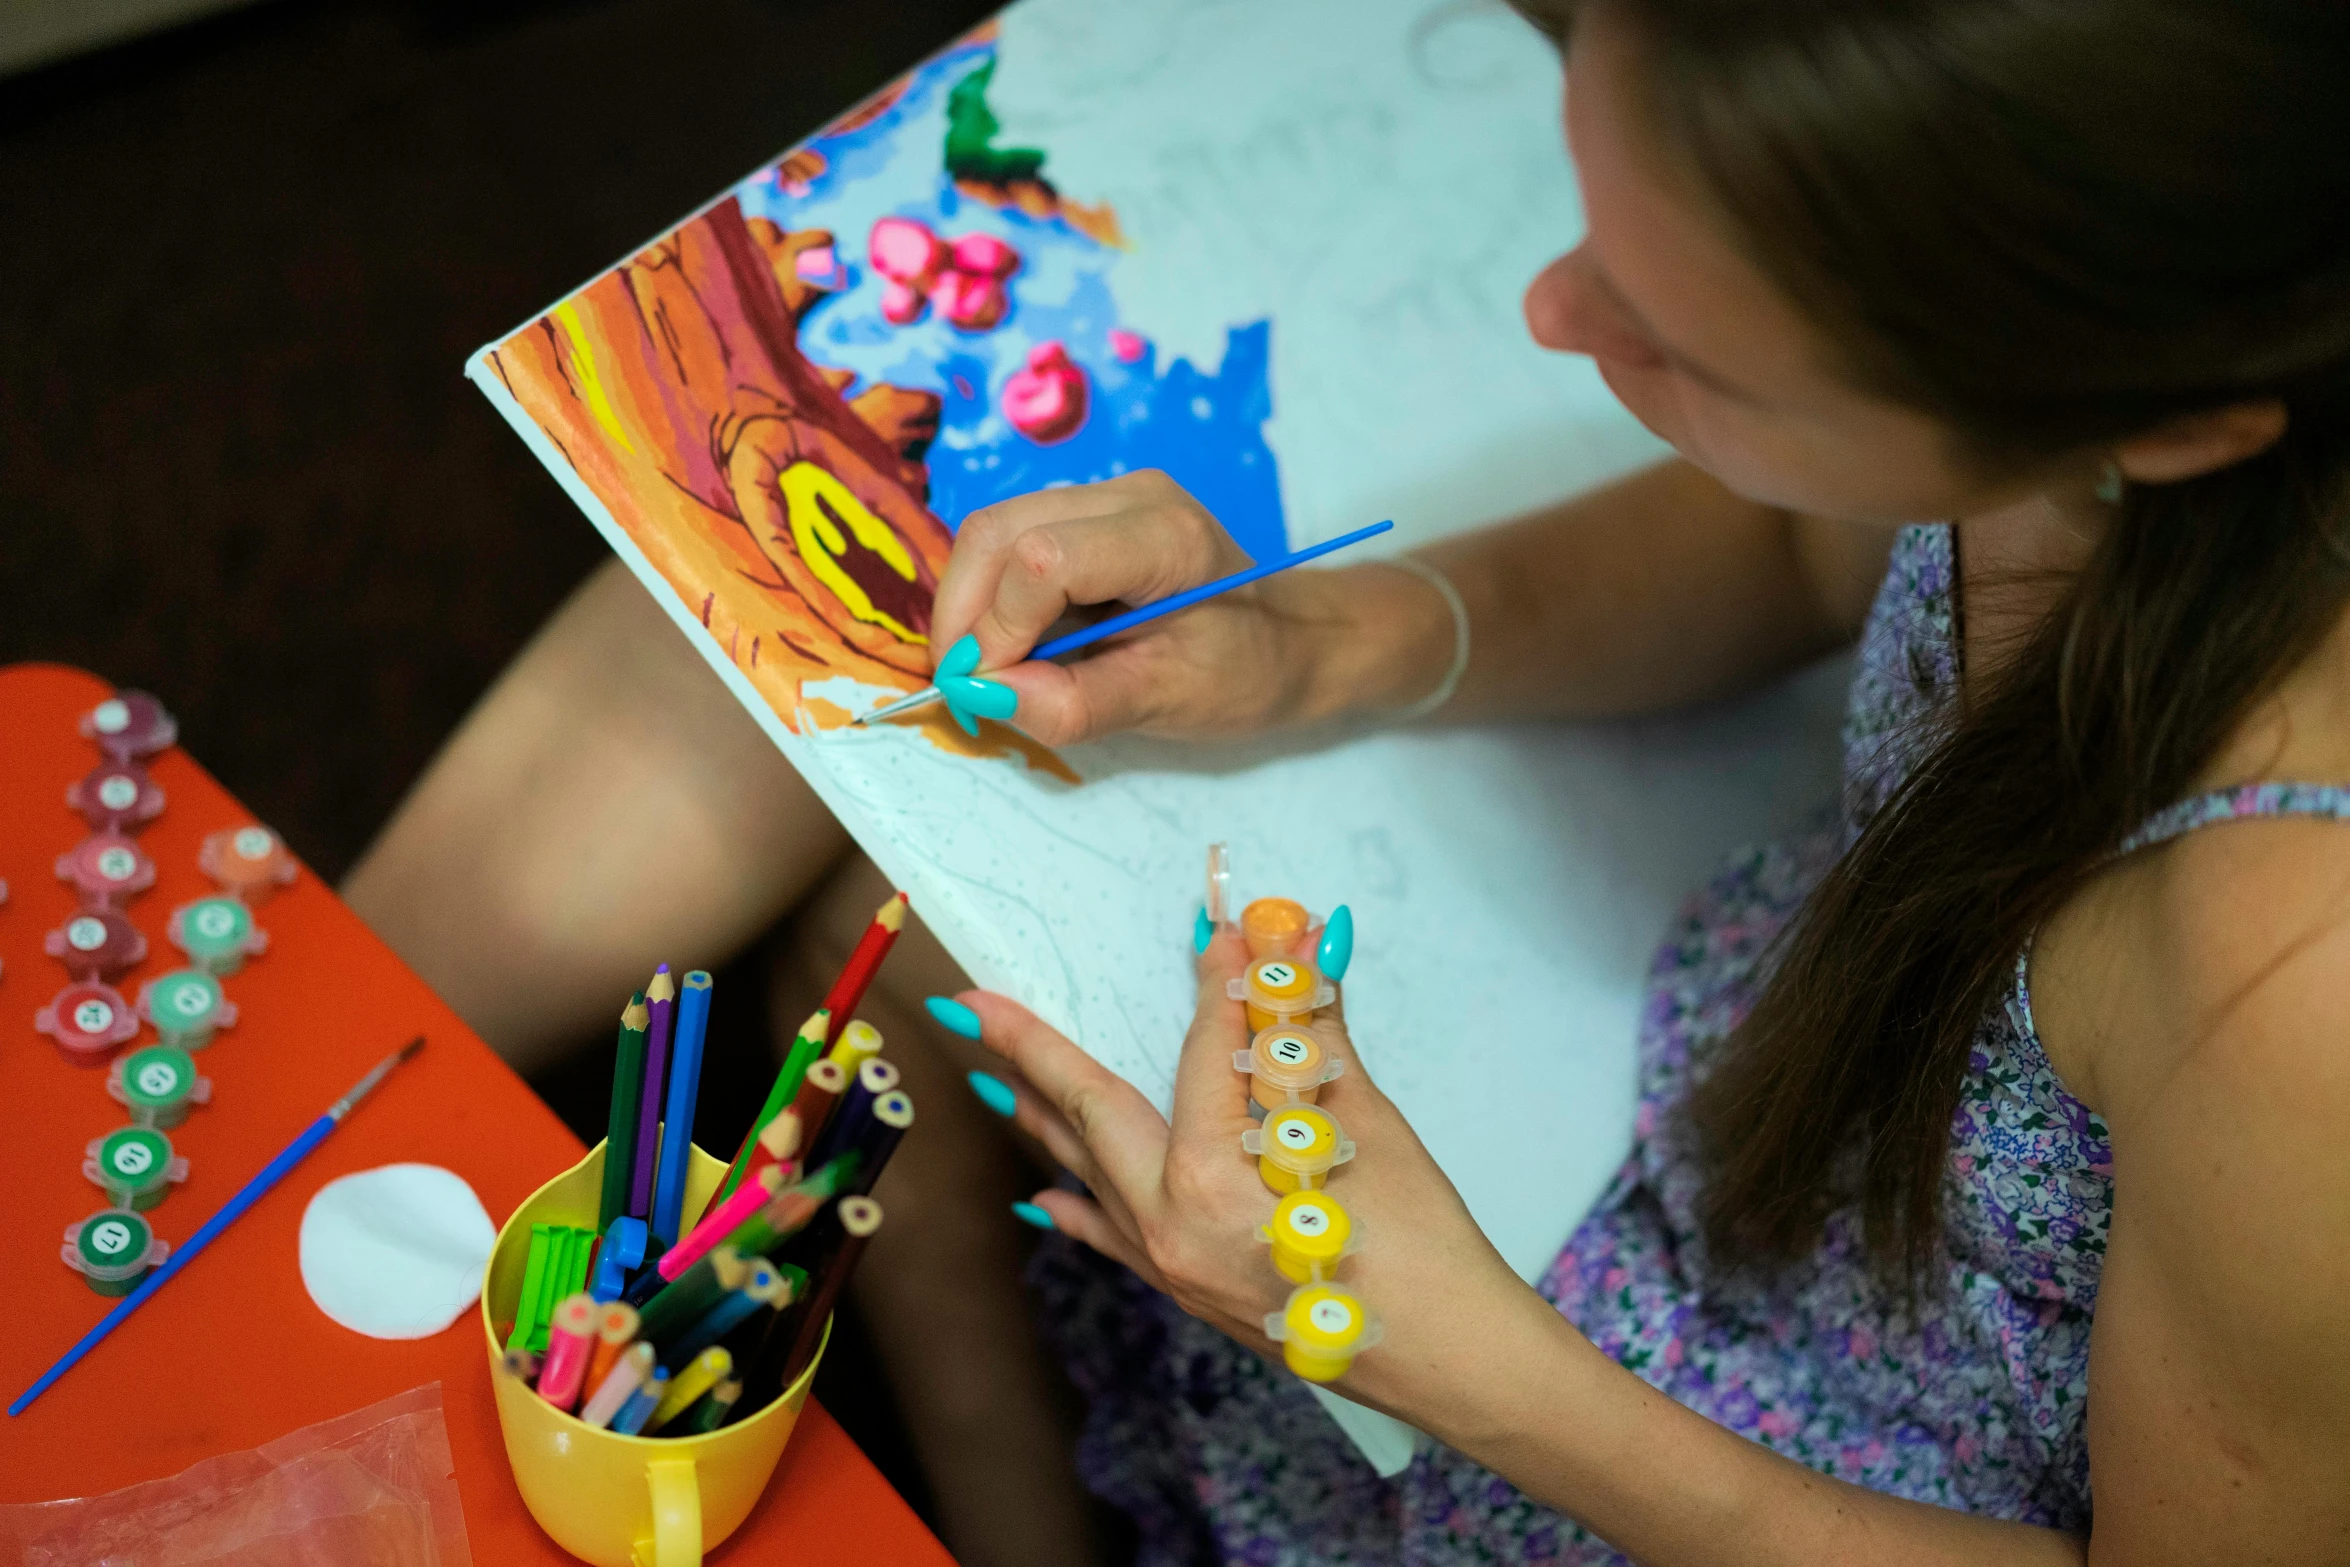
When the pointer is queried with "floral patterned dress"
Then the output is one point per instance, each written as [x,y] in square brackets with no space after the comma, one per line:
[1977,1404]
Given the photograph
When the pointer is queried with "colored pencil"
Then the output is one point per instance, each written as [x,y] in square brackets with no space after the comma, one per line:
[800,1327]
[626,1376]
[893,1114]
[864,962]
[766,1288]
[631,1418]
[661,1012]
[853,1116]
[806,1047]
[1096,632]
[819,1092]
[628,1087]
[721,1221]
[712,1412]
[778,1142]
[616,1328]
[232,1210]
[570,1345]
[859,1043]
[521,1365]
[671,1306]
[677,1115]
[707,1369]
[793,1208]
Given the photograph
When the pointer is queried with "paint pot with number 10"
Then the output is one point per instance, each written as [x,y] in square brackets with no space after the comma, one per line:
[1297,1147]
[112,1250]
[1286,1066]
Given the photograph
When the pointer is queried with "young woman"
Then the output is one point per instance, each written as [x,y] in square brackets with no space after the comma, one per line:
[1990,1146]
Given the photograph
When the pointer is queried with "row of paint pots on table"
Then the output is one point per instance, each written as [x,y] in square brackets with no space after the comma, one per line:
[91,1020]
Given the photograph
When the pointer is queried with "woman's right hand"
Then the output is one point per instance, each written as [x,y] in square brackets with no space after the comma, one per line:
[1277,652]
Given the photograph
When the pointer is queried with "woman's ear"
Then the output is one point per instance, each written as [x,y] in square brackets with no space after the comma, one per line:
[2196,444]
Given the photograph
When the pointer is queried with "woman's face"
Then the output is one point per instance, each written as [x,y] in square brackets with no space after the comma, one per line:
[1701,347]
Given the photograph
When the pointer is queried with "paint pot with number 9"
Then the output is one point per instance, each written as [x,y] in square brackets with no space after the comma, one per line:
[87,1019]
[113,1249]
[107,870]
[158,1085]
[136,1166]
[1309,1233]
[251,862]
[116,797]
[1286,1066]
[1273,927]
[1297,1147]
[1321,1331]
[97,944]
[217,934]
[1280,990]
[130,725]
[187,1007]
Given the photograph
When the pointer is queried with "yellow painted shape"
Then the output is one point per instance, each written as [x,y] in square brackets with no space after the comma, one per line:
[591,385]
[821,544]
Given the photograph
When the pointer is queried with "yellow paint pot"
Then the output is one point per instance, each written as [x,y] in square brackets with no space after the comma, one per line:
[624,1501]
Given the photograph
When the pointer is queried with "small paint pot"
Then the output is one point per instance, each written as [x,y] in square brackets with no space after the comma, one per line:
[130,726]
[1309,1233]
[97,944]
[136,1166]
[1321,1330]
[187,1007]
[158,1085]
[115,797]
[250,862]
[107,870]
[1272,927]
[87,1019]
[1286,1066]
[113,1250]
[1297,1148]
[217,933]
[1281,991]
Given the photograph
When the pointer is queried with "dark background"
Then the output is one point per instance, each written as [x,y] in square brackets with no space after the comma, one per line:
[241,266]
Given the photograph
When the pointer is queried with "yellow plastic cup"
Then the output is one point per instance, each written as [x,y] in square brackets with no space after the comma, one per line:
[624,1501]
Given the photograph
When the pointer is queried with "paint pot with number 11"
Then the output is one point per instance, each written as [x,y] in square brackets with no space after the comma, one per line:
[1281,991]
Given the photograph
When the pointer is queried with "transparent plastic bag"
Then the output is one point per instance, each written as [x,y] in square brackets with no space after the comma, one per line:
[373,1488]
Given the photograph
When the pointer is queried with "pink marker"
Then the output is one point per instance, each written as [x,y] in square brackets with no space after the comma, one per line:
[721,1221]
[571,1337]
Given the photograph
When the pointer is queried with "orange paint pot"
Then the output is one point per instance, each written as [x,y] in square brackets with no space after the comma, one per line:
[1286,1066]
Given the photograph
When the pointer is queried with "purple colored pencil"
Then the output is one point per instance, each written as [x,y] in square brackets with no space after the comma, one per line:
[661,1004]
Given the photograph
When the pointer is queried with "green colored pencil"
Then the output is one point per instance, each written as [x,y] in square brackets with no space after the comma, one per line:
[804,1052]
[628,1088]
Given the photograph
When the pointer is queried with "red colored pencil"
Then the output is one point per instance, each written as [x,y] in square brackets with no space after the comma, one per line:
[863,963]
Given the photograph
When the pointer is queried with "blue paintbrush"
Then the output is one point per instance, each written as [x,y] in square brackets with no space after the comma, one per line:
[1149,612]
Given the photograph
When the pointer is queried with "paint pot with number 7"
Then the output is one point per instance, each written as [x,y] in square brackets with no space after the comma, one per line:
[1309,1232]
[1286,1066]
[251,862]
[1321,1330]
[158,1085]
[187,1007]
[87,1019]
[113,1249]
[1297,1147]
[217,934]
[1279,991]
[97,944]
[107,870]
[136,1166]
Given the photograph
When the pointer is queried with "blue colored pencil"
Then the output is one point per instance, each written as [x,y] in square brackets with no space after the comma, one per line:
[231,1211]
[1147,613]
[677,1116]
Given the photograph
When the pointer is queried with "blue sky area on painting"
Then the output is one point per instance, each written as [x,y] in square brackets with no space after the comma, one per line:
[1205,425]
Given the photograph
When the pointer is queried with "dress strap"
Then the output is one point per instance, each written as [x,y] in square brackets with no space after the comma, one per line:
[2227,805]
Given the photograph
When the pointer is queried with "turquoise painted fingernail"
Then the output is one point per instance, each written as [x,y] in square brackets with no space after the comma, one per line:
[994,1093]
[1338,944]
[962,658]
[1203,931]
[980,698]
[1030,1213]
[953,1016]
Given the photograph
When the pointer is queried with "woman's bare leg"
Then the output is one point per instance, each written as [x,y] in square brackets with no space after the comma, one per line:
[607,802]
[991,1418]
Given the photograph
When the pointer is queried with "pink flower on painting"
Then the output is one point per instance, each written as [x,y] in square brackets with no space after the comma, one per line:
[1047,400]
[969,302]
[905,250]
[901,303]
[1127,347]
[984,255]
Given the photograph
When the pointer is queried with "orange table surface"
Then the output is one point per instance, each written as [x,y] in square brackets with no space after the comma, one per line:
[231,1353]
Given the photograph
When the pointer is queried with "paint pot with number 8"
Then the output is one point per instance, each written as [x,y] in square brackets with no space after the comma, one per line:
[87,1019]
[217,934]
[107,870]
[251,862]
[1273,927]
[1286,1066]
[113,1249]
[1297,1147]
[1280,990]
[1321,1331]
[187,1007]
[115,797]
[158,1085]
[1309,1232]
[97,944]
[130,726]
[136,1166]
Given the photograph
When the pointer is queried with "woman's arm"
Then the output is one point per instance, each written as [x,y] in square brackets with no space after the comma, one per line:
[1658,590]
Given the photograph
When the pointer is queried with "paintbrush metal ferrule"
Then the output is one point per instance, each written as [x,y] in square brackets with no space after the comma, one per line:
[904,704]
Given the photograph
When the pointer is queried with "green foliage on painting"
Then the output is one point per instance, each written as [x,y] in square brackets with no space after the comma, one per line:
[971,129]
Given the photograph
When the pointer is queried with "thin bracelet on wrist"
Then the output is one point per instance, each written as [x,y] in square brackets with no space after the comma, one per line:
[1460,638]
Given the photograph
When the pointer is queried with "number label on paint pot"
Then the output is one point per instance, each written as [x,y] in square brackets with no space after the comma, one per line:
[132,1159]
[1331,1316]
[1289,1051]
[111,717]
[118,793]
[93,1016]
[1277,975]
[158,1078]
[85,934]
[110,1237]
[252,843]
[117,864]
[1295,1133]
[191,1000]
[216,922]
[1309,1220]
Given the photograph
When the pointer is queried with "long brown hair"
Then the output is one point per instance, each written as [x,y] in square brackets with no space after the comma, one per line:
[2053,224]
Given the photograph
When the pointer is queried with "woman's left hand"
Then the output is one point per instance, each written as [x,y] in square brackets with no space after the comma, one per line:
[1180,1202]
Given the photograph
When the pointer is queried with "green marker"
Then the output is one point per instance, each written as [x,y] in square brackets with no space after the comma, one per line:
[112,1250]
[217,934]
[187,1007]
[136,1166]
[159,1084]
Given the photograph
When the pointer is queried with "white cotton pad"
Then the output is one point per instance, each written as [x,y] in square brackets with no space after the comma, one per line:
[395,1252]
